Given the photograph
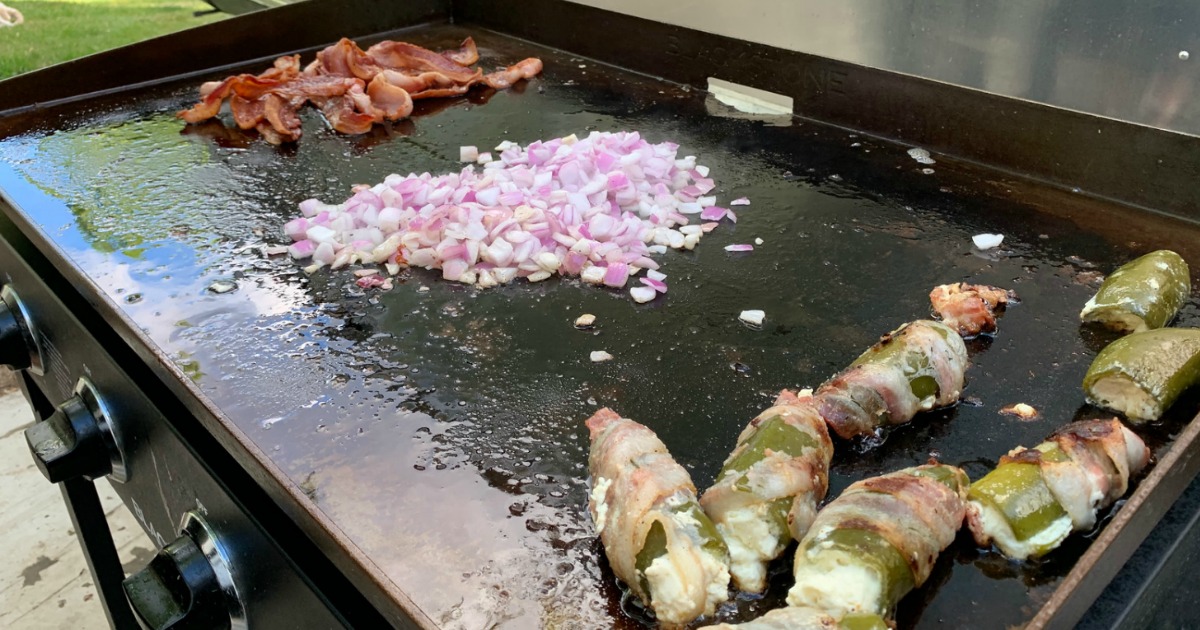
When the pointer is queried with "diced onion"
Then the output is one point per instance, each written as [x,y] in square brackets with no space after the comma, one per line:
[599,207]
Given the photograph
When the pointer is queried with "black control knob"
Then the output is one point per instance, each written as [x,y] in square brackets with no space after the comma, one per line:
[189,584]
[178,590]
[70,443]
[19,347]
[14,351]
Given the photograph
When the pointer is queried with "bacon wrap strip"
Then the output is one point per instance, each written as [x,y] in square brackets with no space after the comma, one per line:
[769,488]
[914,368]
[970,308]
[879,540]
[353,88]
[1037,496]
[656,537]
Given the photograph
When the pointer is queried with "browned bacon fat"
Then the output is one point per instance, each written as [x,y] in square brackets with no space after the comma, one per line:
[969,308]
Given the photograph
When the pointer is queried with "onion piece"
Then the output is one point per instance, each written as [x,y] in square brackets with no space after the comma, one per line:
[987,241]
[641,295]
[616,275]
[598,356]
[739,247]
[657,285]
[593,274]
[740,201]
[468,154]
[713,213]
[302,249]
[752,317]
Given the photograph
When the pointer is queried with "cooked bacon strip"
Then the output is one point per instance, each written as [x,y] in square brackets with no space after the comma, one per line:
[657,539]
[969,308]
[466,54]
[391,101]
[247,113]
[344,59]
[281,114]
[343,116]
[502,79]
[403,55]
[353,88]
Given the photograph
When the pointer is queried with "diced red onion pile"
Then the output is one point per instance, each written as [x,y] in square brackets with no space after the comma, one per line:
[597,208]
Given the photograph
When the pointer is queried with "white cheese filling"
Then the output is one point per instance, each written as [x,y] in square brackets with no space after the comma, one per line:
[837,584]
[997,529]
[679,593]
[752,543]
[599,507]
[1122,394]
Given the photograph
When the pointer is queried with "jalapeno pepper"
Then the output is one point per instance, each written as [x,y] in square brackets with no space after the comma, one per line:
[863,621]
[875,553]
[914,360]
[1018,492]
[695,525]
[1142,294]
[1142,374]
[773,434]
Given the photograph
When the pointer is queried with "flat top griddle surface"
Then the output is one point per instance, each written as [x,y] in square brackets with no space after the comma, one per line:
[441,429]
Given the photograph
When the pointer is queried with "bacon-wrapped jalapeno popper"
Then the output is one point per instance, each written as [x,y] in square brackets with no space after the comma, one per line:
[1037,496]
[914,368]
[879,540]
[656,537]
[1142,294]
[805,618]
[768,490]
[1142,374]
[969,308]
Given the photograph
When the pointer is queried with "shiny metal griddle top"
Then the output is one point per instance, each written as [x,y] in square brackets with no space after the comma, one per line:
[441,431]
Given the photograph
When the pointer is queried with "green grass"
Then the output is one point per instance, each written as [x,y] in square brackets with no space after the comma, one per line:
[56,30]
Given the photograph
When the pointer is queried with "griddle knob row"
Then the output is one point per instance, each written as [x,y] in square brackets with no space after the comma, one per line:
[77,440]
[188,585]
[19,348]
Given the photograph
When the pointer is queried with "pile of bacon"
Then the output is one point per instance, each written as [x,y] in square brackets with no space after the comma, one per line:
[353,88]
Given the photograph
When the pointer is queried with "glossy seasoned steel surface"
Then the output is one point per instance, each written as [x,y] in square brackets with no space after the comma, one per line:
[1136,61]
[440,431]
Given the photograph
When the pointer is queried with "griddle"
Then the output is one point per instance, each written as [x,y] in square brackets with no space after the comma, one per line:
[429,439]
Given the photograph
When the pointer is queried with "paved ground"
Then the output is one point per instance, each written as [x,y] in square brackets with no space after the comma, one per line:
[44,580]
